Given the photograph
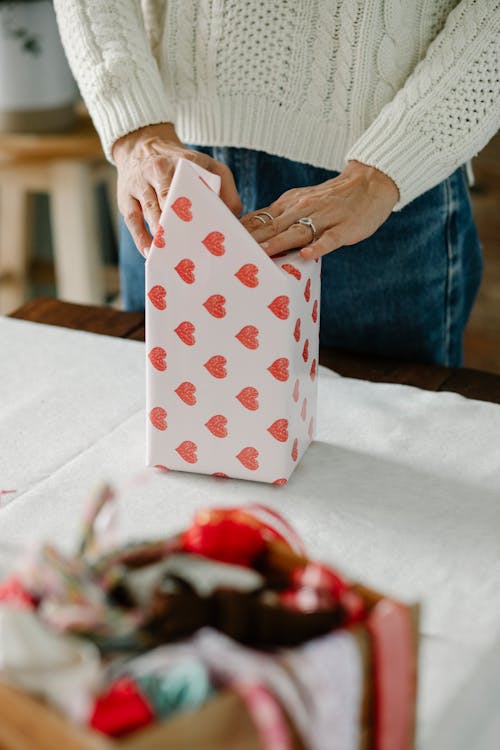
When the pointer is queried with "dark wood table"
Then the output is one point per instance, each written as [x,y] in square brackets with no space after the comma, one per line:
[484,386]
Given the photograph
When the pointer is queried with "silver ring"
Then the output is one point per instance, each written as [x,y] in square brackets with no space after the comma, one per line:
[260,216]
[308,222]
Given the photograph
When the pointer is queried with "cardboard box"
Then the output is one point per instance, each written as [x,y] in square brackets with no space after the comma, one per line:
[388,642]
[232,342]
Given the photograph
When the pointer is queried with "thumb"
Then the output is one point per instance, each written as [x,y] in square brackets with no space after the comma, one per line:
[228,190]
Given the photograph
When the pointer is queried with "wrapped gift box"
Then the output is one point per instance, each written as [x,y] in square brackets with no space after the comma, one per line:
[232,342]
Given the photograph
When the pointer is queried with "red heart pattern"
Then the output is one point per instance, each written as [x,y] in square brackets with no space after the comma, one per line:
[296,331]
[187,451]
[185,332]
[182,207]
[314,314]
[279,306]
[279,369]
[248,275]
[216,366]
[248,336]
[312,371]
[217,425]
[279,430]
[292,270]
[215,305]
[214,242]
[158,418]
[185,268]
[157,295]
[249,398]
[187,393]
[248,457]
[159,239]
[200,330]
[305,351]
[157,357]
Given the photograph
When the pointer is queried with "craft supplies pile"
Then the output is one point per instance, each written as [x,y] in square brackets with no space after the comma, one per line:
[120,637]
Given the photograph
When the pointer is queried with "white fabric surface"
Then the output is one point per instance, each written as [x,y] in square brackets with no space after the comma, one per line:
[401,488]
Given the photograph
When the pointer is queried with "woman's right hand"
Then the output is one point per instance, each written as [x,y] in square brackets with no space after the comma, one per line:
[146,161]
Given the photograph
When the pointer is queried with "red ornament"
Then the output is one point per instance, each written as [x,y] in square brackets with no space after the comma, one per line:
[230,536]
[121,709]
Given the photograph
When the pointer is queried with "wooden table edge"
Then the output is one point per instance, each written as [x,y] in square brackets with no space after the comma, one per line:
[475,384]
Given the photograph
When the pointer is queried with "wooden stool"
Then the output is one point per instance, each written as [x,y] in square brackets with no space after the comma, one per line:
[67,166]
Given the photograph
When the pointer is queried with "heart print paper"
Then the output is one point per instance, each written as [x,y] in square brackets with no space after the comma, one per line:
[231,340]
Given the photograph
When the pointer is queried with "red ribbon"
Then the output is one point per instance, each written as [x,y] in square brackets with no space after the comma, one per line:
[390,629]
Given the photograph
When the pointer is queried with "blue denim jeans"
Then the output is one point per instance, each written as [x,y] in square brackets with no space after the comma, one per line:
[406,292]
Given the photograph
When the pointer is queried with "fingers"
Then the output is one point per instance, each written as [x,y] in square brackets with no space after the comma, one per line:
[261,227]
[297,235]
[135,225]
[150,208]
[257,219]
[143,185]
[228,190]
[162,173]
[330,240]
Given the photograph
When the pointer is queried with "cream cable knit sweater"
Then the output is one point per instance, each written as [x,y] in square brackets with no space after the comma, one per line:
[408,86]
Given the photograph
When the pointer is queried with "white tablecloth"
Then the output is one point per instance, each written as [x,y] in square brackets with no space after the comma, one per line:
[401,488]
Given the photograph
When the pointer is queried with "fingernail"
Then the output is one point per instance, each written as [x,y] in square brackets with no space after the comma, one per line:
[264,245]
[306,252]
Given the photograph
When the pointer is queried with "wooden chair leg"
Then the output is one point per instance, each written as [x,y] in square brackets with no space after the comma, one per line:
[16,214]
[78,261]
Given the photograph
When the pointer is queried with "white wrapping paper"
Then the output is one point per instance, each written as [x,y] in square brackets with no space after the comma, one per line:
[232,342]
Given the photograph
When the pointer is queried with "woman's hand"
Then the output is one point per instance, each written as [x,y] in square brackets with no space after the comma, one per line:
[146,161]
[345,210]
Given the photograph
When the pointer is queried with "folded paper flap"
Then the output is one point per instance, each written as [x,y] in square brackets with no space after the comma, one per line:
[192,199]
[213,181]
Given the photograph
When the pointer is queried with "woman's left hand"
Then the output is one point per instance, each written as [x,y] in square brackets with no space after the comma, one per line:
[345,210]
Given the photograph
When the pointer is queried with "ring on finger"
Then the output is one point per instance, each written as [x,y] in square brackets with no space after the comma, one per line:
[260,217]
[306,221]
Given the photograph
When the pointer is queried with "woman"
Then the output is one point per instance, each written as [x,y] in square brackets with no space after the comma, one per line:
[337,127]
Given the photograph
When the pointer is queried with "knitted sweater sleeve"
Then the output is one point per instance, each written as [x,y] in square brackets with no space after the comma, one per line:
[448,108]
[111,58]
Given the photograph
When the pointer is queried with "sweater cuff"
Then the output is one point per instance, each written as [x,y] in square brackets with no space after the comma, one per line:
[402,152]
[118,112]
